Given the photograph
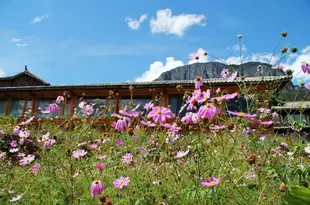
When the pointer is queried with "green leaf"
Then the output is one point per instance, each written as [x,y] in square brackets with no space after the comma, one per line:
[298,196]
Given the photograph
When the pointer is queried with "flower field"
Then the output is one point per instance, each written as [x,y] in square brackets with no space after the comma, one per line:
[211,155]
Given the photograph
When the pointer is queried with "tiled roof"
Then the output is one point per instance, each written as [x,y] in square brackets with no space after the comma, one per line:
[293,105]
[26,72]
[168,83]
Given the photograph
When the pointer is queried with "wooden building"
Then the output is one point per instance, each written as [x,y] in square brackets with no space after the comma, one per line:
[25,90]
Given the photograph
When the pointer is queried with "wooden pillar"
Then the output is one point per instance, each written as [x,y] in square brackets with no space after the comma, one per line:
[25,107]
[8,106]
[72,104]
[166,97]
[34,104]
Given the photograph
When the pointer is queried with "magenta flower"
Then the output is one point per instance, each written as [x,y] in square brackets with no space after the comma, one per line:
[172,128]
[190,118]
[126,158]
[121,124]
[241,114]
[35,168]
[225,73]
[48,143]
[226,97]
[78,153]
[100,166]
[16,131]
[120,142]
[181,154]
[96,188]
[148,106]
[148,123]
[205,96]
[13,143]
[208,111]
[16,198]
[88,109]
[121,182]
[27,160]
[305,67]
[198,83]
[307,86]
[52,108]
[160,114]
[211,182]
[59,99]
[194,56]
[232,77]
[275,115]
[27,122]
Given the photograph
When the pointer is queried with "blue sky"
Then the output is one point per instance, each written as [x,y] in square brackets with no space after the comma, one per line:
[78,41]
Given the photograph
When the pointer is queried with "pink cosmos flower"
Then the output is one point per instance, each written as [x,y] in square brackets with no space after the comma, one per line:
[52,108]
[93,146]
[225,73]
[16,131]
[126,158]
[27,160]
[82,104]
[13,150]
[148,106]
[100,166]
[48,143]
[121,124]
[198,83]
[305,67]
[181,154]
[160,114]
[120,142]
[35,168]
[130,113]
[96,188]
[190,118]
[16,198]
[21,155]
[59,99]
[211,182]
[254,120]
[205,96]
[13,143]
[217,127]
[78,153]
[148,123]
[194,56]
[121,182]
[88,110]
[192,103]
[280,67]
[218,90]
[172,128]
[226,97]
[2,155]
[27,122]
[102,156]
[241,114]
[232,77]
[275,115]
[208,111]
[307,86]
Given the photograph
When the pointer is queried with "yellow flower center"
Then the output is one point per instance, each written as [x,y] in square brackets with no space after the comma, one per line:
[241,113]
[159,111]
[212,182]
[96,182]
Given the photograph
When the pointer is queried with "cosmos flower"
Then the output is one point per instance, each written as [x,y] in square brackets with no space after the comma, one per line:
[181,154]
[241,114]
[130,113]
[211,182]
[121,124]
[52,108]
[172,127]
[96,188]
[225,73]
[126,158]
[14,199]
[2,155]
[27,122]
[160,114]
[232,77]
[16,131]
[48,143]
[198,82]
[148,106]
[307,86]
[27,160]
[305,67]
[88,109]
[78,153]
[190,118]
[121,182]
[13,143]
[148,123]
[100,166]
[35,168]
[13,150]
[59,99]
[208,111]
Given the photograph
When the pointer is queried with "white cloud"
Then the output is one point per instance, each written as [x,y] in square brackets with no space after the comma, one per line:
[166,23]
[21,44]
[158,68]
[135,24]
[38,19]
[237,47]
[15,40]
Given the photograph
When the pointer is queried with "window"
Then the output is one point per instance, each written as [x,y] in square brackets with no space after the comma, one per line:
[17,107]
[67,107]
[176,102]
[2,107]
[142,100]
[43,105]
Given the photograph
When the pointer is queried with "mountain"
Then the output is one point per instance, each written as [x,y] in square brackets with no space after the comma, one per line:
[214,69]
